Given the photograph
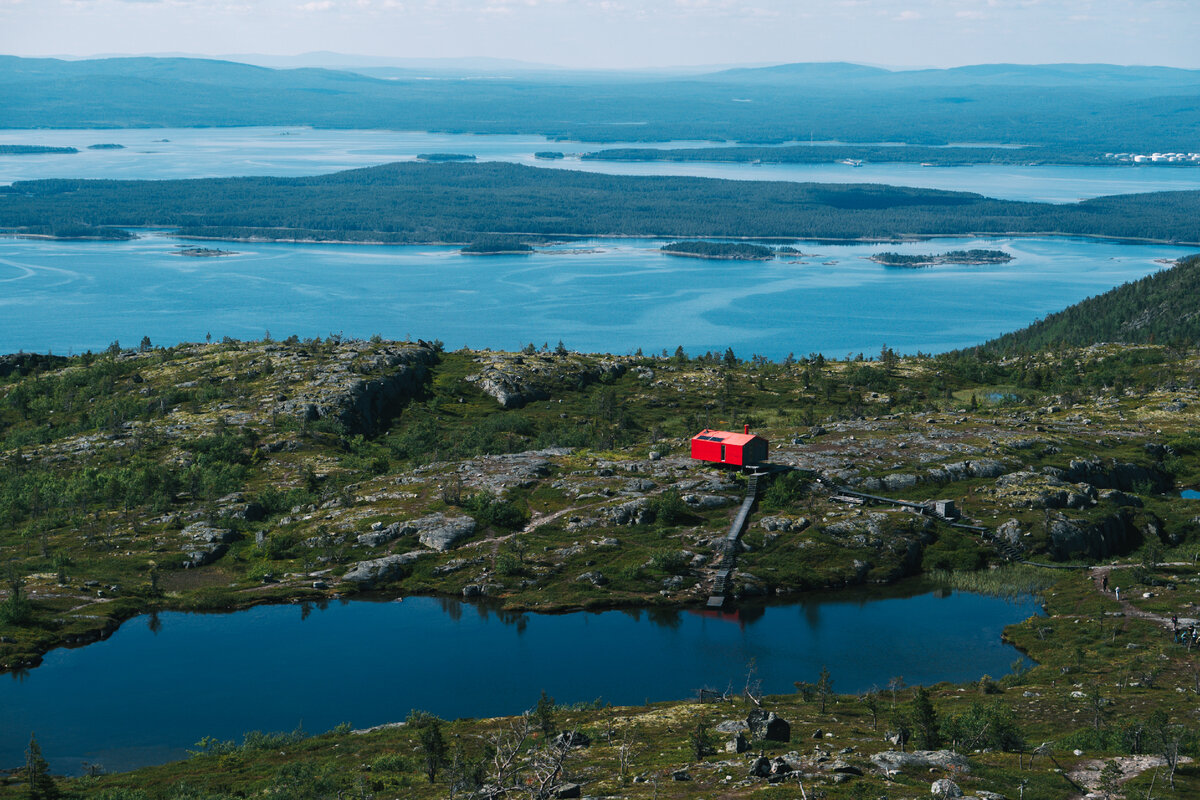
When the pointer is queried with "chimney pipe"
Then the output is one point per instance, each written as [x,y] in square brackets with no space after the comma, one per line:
[746,429]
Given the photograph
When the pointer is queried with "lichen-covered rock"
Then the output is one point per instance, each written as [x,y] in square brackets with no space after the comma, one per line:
[1010,531]
[706,501]
[891,483]
[378,570]
[784,524]
[894,761]
[363,385]
[768,725]
[595,578]
[944,787]
[1025,489]
[199,556]
[386,534]
[635,512]
[203,532]
[439,532]
[515,379]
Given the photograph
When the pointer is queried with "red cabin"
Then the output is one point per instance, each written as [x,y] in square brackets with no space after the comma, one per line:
[722,447]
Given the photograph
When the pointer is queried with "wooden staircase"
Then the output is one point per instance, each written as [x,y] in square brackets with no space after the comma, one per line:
[729,545]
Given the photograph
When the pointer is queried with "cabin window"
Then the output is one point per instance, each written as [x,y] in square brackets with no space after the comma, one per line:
[722,452]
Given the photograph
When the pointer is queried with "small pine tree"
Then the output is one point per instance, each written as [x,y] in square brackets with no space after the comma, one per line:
[41,785]
[1110,779]
[924,720]
[433,747]
[870,700]
[544,713]
[701,741]
[824,687]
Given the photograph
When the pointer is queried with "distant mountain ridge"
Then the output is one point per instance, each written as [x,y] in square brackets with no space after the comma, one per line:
[1160,308]
[1102,76]
[1103,107]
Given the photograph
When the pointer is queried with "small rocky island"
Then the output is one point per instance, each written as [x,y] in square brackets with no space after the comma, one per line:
[203,252]
[970,257]
[728,251]
[106,146]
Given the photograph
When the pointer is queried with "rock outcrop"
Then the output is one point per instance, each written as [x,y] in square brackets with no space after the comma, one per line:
[515,379]
[379,570]
[206,545]
[768,725]
[895,761]
[1095,539]
[439,532]
[364,385]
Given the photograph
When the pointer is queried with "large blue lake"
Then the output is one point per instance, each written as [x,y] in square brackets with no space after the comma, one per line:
[152,690]
[212,152]
[596,295]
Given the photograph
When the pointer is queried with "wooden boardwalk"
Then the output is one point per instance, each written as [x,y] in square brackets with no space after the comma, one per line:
[729,545]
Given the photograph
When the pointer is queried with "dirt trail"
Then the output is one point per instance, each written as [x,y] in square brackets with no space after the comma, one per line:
[1099,577]
[1087,773]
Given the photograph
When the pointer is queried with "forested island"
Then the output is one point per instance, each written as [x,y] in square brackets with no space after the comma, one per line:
[549,155]
[496,245]
[32,150]
[968,257]
[437,158]
[106,146]
[729,251]
[458,203]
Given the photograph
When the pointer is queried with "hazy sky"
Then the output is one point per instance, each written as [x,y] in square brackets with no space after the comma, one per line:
[623,33]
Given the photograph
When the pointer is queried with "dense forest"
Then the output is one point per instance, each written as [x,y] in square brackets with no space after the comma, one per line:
[1162,308]
[1100,107]
[414,202]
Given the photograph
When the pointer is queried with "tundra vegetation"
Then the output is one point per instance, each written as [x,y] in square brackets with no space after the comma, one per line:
[225,474]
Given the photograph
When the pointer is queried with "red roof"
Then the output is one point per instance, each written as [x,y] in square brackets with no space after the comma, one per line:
[725,437]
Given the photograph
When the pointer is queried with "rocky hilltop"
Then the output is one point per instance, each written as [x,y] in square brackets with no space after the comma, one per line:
[286,470]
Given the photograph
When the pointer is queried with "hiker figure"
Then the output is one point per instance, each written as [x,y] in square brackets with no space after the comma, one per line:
[1174,622]
[1104,584]
[1117,589]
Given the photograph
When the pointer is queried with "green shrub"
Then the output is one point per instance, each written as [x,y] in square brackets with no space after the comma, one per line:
[490,511]
[672,562]
[669,509]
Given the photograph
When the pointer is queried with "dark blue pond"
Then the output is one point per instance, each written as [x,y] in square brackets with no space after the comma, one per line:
[160,684]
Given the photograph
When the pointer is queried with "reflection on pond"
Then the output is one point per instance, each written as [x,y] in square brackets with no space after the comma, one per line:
[154,689]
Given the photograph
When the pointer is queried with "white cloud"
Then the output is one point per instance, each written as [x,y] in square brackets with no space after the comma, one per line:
[317,5]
